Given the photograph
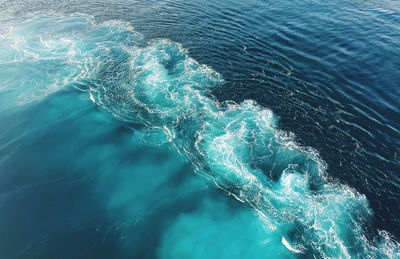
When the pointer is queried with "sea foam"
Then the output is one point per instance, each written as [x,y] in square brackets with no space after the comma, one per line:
[237,146]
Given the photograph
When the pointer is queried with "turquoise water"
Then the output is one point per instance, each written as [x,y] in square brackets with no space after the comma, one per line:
[114,144]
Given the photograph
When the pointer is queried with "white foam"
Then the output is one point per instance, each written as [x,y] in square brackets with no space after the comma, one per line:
[237,145]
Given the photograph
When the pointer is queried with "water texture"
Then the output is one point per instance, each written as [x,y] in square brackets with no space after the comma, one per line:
[104,129]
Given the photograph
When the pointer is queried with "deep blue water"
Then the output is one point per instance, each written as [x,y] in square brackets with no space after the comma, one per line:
[199,129]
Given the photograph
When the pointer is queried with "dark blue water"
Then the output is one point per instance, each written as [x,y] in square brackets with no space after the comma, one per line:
[199,129]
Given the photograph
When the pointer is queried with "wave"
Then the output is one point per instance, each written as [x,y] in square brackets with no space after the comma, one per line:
[238,146]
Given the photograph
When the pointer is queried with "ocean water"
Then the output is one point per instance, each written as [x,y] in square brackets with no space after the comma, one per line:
[199,129]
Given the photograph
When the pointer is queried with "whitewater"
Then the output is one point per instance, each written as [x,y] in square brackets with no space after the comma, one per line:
[237,146]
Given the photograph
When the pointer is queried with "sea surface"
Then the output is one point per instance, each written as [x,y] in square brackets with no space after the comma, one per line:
[199,129]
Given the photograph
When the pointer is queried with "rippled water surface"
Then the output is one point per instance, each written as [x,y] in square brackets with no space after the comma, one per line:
[199,129]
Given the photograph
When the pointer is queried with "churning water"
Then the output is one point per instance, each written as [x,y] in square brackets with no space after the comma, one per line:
[199,129]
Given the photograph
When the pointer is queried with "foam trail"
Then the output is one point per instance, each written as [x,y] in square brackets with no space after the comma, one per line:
[238,146]
[288,246]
